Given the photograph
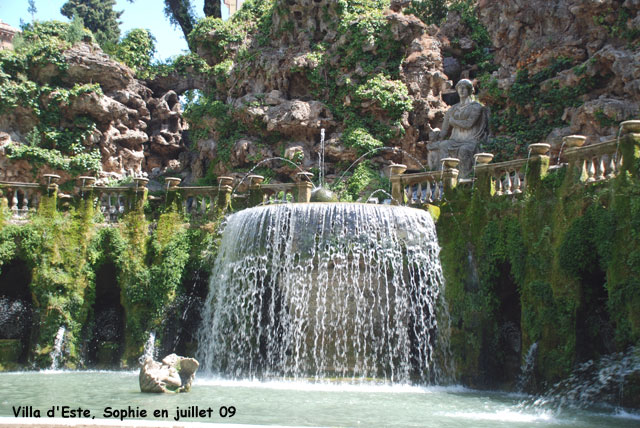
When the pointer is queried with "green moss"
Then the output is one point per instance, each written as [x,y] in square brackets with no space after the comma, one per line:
[559,244]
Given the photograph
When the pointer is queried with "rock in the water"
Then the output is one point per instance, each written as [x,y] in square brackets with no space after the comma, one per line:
[173,374]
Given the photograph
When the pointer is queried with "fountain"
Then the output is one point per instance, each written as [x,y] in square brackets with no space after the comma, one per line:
[327,290]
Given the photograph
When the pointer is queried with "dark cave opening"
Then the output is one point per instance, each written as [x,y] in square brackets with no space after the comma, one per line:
[16,310]
[107,333]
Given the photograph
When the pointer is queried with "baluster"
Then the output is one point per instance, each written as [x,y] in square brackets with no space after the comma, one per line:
[121,203]
[110,207]
[35,201]
[516,182]
[591,171]
[600,168]
[14,202]
[507,183]
[428,197]
[436,193]
[407,194]
[203,205]
[499,191]
[611,173]
[419,193]
[25,203]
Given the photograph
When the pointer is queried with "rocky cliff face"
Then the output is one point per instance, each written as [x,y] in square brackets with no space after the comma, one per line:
[135,131]
[598,40]
[370,76]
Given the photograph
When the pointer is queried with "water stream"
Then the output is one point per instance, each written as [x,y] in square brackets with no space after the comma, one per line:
[56,353]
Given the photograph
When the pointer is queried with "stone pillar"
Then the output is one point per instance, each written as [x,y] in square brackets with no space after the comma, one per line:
[630,144]
[397,187]
[256,194]
[304,186]
[49,194]
[537,166]
[140,193]
[482,175]
[450,179]
[172,191]
[224,193]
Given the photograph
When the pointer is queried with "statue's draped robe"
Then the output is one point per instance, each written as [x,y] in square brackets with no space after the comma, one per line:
[468,125]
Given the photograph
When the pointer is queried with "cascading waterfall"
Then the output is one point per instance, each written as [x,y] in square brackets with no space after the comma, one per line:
[318,290]
[56,353]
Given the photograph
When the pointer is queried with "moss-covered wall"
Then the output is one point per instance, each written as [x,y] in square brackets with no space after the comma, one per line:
[558,264]
[64,250]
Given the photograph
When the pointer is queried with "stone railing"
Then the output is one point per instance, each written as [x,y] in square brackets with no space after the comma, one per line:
[597,162]
[506,178]
[593,163]
[257,193]
[422,187]
[20,198]
[24,198]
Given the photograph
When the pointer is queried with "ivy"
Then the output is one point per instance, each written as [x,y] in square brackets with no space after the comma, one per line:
[390,95]
[136,49]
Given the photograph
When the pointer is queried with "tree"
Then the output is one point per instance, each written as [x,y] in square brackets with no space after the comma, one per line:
[136,49]
[212,8]
[32,10]
[98,16]
[180,13]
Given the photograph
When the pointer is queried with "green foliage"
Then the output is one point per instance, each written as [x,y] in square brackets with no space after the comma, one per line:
[623,26]
[429,11]
[81,163]
[390,95]
[98,16]
[359,138]
[364,181]
[218,37]
[54,141]
[256,14]
[136,49]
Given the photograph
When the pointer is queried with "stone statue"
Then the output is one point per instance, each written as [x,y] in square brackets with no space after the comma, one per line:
[465,125]
[174,374]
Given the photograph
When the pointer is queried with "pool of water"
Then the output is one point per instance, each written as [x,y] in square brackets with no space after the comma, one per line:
[292,403]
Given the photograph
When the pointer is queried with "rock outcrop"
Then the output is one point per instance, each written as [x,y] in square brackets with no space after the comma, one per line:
[135,130]
[600,38]
[173,374]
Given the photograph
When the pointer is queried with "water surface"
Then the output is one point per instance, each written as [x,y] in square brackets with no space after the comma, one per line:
[298,403]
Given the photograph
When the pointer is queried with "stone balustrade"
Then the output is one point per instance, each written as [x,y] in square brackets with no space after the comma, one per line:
[593,163]
[21,198]
[114,202]
[279,193]
[506,178]
[596,162]
[421,188]
[200,201]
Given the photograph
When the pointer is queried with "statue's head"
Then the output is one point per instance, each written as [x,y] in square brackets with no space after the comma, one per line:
[465,83]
